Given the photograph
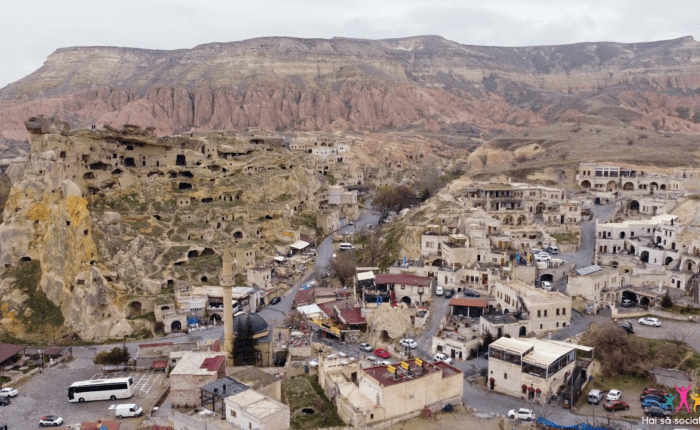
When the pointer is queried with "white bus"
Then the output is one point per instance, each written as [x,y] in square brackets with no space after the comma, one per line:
[101,389]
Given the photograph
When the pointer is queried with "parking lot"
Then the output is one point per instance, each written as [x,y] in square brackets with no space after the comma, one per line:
[47,394]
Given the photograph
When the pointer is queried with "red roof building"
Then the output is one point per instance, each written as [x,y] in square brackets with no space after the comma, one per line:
[402,279]
[304,297]
[9,353]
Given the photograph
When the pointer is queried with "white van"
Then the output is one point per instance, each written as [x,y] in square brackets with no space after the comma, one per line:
[127,410]
[346,246]
[439,291]
[547,285]
[595,396]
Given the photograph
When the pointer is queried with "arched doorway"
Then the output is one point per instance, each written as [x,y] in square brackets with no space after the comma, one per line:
[644,301]
[547,277]
[523,332]
[508,220]
[134,309]
[437,262]
[406,299]
[690,265]
[597,200]
[622,235]
[384,336]
[644,256]
[521,220]
[632,249]
[215,319]
[611,185]
[634,205]
[586,184]
[176,326]
[629,186]
[540,207]
[668,261]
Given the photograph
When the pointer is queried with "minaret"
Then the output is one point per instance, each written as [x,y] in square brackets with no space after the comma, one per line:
[226,284]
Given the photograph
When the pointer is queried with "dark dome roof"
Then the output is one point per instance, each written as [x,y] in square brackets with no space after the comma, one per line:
[256,321]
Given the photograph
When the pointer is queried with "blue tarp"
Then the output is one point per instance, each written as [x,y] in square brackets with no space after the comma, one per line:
[584,426]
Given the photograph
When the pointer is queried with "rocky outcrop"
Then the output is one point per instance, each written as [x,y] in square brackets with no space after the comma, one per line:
[339,84]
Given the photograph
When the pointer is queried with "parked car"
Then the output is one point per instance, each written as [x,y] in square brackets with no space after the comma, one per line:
[547,285]
[616,405]
[654,391]
[522,414]
[366,347]
[543,256]
[313,363]
[657,412]
[650,321]
[408,342]
[660,399]
[50,420]
[449,294]
[627,303]
[385,363]
[4,401]
[595,396]
[553,250]
[648,403]
[275,301]
[442,357]
[8,392]
[471,293]
[614,395]
[439,291]
[379,352]
[351,222]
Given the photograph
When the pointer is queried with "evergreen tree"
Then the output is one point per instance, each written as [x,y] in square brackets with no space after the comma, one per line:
[244,351]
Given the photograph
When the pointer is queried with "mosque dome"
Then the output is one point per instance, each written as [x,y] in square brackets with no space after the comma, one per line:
[258,324]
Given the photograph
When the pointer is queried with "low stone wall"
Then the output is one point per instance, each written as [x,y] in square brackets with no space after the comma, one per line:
[655,312]
[23,377]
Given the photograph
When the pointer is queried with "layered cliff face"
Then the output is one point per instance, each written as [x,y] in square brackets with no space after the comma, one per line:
[104,224]
[339,84]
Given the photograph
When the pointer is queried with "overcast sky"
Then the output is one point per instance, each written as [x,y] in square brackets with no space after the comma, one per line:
[30,31]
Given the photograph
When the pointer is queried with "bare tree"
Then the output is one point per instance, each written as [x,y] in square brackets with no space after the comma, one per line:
[374,249]
[428,180]
[343,266]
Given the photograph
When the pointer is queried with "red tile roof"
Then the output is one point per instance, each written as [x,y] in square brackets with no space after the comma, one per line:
[473,303]
[401,278]
[352,316]
[386,378]
[93,425]
[304,297]
[7,350]
[151,345]
[306,238]
[159,364]
[54,350]
[327,308]
[213,364]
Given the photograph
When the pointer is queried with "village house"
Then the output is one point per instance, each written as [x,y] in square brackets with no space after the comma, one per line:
[531,368]
[377,394]
[194,370]
[536,309]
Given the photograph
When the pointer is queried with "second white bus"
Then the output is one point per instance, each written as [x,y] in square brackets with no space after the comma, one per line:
[101,389]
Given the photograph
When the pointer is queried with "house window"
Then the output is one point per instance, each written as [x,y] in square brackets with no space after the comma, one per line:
[563,311]
[403,287]
[233,413]
[557,324]
[540,326]
[250,425]
[539,314]
[505,376]
[557,311]
[371,416]
[545,312]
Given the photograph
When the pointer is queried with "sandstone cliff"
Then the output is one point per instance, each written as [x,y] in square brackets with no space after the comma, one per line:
[339,84]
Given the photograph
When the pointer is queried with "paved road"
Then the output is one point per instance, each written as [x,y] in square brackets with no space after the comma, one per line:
[584,256]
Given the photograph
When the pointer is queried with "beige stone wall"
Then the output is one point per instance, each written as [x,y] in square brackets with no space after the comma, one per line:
[184,389]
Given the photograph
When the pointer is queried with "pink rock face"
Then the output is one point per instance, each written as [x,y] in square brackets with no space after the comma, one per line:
[337,84]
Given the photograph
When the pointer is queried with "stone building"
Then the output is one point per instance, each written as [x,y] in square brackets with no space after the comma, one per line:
[271,343]
[608,177]
[194,370]
[377,394]
[535,309]
[531,368]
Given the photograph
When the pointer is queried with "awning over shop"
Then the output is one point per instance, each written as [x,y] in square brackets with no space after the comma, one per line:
[280,259]
[299,244]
